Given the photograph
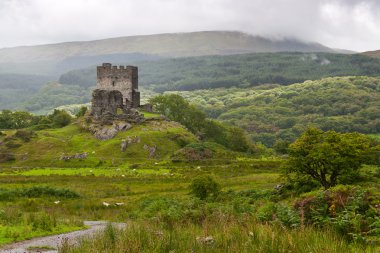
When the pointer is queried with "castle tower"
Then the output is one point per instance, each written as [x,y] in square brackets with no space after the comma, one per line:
[123,79]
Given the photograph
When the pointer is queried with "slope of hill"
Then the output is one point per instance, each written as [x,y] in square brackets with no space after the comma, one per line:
[375,54]
[47,59]
[16,89]
[49,146]
[344,104]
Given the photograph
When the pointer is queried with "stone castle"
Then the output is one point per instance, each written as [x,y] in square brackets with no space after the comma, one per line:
[116,95]
[123,79]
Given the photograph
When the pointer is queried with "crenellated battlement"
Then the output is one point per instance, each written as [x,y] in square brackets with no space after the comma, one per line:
[121,78]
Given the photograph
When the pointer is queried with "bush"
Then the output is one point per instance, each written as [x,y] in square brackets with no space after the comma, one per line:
[7,156]
[24,135]
[346,209]
[39,191]
[82,111]
[36,192]
[203,187]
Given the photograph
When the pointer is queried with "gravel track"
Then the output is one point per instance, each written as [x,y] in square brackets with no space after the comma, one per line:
[54,241]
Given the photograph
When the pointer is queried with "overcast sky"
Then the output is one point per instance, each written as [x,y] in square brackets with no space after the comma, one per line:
[346,24]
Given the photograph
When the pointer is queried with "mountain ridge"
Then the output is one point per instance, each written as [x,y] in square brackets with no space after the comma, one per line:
[46,59]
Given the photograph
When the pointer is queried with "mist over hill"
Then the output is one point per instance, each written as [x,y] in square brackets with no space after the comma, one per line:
[55,59]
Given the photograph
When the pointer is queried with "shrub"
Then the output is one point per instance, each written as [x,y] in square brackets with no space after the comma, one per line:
[36,192]
[165,209]
[346,209]
[6,156]
[24,135]
[82,111]
[39,191]
[204,186]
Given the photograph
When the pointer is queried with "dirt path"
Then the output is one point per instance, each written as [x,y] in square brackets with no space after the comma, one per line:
[55,240]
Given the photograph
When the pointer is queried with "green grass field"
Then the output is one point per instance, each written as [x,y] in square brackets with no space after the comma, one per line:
[40,194]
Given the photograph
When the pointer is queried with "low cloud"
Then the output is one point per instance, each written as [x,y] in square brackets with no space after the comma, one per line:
[348,24]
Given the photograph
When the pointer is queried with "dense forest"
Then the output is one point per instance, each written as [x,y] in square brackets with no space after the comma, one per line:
[281,113]
[238,70]
[16,88]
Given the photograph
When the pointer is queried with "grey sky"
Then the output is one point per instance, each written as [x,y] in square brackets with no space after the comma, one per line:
[347,24]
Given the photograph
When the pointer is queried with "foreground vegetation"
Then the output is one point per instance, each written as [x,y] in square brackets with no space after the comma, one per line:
[171,197]
[246,209]
[217,234]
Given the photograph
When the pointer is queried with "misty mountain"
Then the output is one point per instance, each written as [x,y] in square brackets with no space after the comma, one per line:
[55,59]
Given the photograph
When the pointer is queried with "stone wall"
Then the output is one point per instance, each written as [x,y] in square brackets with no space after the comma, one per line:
[106,103]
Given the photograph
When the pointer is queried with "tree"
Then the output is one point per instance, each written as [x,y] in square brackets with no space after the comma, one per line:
[238,141]
[60,118]
[327,156]
[178,109]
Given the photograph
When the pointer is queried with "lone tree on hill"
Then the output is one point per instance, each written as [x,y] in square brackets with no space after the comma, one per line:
[328,156]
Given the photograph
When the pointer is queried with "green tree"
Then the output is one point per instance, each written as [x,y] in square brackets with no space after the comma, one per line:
[16,119]
[60,118]
[327,156]
[178,109]
[237,140]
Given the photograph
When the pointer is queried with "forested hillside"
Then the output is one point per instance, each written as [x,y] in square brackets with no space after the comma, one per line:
[15,88]
[192,73]
[271,113]
[238,70]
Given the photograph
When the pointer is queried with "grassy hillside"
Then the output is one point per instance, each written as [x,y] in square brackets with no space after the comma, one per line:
[283,112]
[48,146]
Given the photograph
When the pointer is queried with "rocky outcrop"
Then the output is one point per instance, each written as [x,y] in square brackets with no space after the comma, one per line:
[152,150]
[76,156]
[106,132]
[127,142]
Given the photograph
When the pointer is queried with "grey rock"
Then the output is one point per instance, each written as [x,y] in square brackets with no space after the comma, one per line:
[123,145]
[152,150]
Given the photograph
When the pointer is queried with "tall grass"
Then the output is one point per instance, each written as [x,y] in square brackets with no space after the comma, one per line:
[225,234]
